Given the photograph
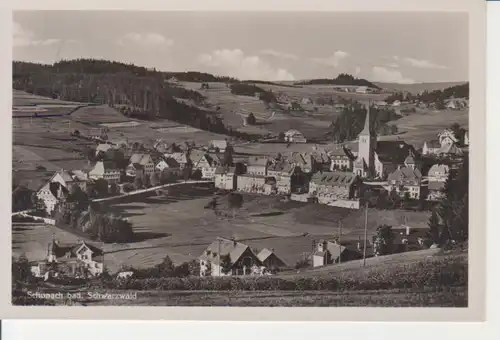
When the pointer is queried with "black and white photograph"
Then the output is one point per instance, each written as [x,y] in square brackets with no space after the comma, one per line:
[243,159]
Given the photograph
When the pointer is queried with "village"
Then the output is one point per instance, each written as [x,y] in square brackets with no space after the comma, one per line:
[369,172]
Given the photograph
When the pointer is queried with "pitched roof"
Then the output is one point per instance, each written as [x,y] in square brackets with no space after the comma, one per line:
[258,161]
[171,162]
[405,174]
[434,144]
[140,158]
[293,132]
[265,253]
[225,170]
[333,178]
[180,157]
[438,169]
[281,166]
[434,185]
[393,151]
[221,143]
[226,247]
[450,149]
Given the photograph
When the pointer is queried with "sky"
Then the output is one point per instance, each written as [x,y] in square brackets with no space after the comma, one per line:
[394,47]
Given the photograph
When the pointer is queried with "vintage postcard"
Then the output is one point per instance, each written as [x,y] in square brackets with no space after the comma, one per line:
[245,159]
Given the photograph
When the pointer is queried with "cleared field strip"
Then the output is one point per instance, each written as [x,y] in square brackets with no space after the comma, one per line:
[137,192]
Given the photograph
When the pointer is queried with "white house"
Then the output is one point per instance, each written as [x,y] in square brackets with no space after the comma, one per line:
[294,136]
[225,178]
[76,260]
[226,257]
[105,170]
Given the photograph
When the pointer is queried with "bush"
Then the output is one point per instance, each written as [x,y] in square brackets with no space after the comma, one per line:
[446,272]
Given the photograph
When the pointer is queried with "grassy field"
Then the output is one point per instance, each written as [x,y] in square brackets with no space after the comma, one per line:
[177,225]
[422,279]
[453,297]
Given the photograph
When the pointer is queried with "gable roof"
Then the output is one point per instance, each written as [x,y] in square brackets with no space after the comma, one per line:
[450,149]
[141,158]
[433,144]
[226,247]
[393,151]
[225,170]
[334,178]
[265,253]
[257,161]
[405,174]
[281,166]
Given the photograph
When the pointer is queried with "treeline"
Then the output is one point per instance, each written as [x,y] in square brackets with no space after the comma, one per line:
[251,90]
[341,79]
[135,91]
[81,217]
[266,83]
[436,96]
[352,119]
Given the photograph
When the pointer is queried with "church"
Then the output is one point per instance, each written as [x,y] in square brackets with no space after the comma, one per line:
[377,159]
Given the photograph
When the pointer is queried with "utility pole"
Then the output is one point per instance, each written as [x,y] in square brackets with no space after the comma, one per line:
[340,244]
[218,252]
[366,224]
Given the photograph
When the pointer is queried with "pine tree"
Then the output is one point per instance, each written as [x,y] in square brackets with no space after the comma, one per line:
[434,228]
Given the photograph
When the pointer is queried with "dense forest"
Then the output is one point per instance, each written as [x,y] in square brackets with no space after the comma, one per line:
[436,96]
[352,119]
[341,79]
[135,91]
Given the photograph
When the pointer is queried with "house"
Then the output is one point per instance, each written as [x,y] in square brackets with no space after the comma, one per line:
[341,159]
[321,159]
[294,136]
[466,138]
[413,161]
[303,160]
[306,101]
[257,165]
[332,186]
[180,157]
[226,257]
[135,170]
[447,137]
[225,178]
[51,193]
[105,170]
[396,103]
[284,174]
[270,260]
[437,176]
[329,252]
[406,180]
[220,145]
[362,89]
[431,147]
[161,146]
[74,260]
[145,161]
[72,178]
[450,150]
[257,184]
[103,148]
[206,163]
[167,163]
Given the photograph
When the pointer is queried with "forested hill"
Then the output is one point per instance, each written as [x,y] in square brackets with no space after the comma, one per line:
[135,91]
[99,66]
[342,79]
[436,96]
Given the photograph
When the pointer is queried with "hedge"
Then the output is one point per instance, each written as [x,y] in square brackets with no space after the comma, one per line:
[446,272]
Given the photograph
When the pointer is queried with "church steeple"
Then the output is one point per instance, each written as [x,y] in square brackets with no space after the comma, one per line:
[366,130]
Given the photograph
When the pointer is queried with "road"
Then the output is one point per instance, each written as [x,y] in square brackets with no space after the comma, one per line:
[137,192]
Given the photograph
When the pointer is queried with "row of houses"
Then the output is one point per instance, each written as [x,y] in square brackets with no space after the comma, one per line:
[337,175]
